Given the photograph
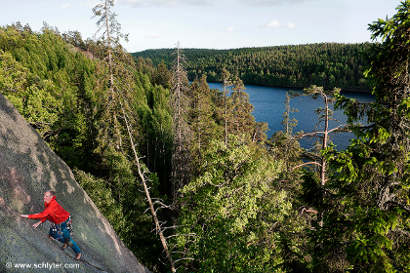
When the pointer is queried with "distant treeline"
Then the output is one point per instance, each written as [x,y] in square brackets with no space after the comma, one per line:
[296,66]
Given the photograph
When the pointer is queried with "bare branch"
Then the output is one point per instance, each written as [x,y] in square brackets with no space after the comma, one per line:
[306,163]
[183,234]
[178,252]
[308,210]
[311,134]
[341,128]
[173,227]
[186,258]
[162,204]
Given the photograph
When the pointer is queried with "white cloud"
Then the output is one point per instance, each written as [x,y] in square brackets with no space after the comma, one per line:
[276,24]
[270,3]
[273,24]
[155,3]
[65,6]
[230,29]
[168,3]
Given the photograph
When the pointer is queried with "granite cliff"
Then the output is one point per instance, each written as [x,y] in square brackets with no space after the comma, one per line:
[28,167]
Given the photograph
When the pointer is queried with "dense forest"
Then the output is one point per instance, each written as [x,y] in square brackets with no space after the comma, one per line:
[188,178]
[295,66]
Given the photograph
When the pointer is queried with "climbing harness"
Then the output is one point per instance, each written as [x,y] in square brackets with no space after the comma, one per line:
[56,228]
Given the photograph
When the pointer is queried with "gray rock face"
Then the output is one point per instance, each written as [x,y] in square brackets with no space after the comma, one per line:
[28,167]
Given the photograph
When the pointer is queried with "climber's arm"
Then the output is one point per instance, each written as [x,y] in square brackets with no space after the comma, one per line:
[42,216]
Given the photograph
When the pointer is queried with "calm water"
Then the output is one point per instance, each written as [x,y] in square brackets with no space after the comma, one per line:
[269,105]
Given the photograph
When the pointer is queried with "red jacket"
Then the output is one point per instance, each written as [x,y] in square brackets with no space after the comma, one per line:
[53,212]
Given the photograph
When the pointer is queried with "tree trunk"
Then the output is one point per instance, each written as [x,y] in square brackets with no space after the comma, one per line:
[148,195]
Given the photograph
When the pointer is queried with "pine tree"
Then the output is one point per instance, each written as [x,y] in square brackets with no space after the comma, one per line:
[242,121]
[162,76]
[111,35]
[201,117]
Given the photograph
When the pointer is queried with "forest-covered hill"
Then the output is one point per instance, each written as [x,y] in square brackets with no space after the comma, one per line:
[297,66]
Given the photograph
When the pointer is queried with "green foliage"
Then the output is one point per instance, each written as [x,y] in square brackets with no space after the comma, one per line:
[157,142]
[103,198]
[241,120]
[52,85]
[202,113]
[234,212]
[162,76]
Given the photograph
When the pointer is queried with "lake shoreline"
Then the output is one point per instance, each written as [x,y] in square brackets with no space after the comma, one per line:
[269,106]
[358,91]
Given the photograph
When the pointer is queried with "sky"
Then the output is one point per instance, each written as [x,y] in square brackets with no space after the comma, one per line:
[217,24]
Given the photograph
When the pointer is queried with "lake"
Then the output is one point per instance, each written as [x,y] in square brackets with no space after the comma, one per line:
[269,105]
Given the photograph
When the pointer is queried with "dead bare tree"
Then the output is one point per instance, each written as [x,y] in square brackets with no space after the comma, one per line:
[289,123]
[226,80]
[182,134]
[142,173]
[325,116]
[318,158]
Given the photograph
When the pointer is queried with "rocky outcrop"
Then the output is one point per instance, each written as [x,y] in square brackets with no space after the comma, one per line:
[28,167]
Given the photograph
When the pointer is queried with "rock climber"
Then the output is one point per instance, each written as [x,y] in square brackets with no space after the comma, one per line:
[60,222]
